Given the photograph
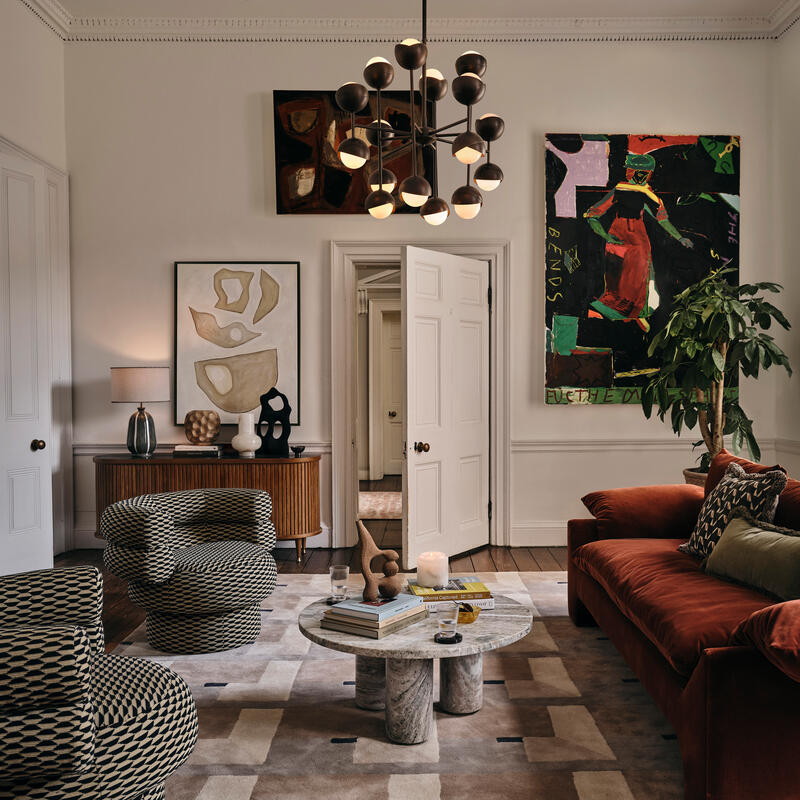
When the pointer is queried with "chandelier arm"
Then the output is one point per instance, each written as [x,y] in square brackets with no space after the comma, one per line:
[425,65]
[413,125]
[451,125]
[380,141]
[396,151]
[488,152]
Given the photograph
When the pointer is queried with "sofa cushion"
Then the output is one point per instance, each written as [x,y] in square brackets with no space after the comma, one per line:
[756,492]
[658,511]
[787,515]
[758,554]
[775,632]
[721,462]
[665,593]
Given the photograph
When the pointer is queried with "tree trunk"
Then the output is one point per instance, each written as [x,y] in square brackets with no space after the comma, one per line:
[702,418]
[718,425]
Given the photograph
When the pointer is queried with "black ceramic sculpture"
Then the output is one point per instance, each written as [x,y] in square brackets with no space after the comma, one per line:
[274,443]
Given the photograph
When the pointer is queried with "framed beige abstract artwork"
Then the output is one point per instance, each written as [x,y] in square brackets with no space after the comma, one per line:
[237,334]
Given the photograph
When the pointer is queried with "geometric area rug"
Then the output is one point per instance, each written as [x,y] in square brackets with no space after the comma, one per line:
[563,717]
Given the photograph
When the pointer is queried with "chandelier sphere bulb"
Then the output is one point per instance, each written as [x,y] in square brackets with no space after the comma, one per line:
[471,61]
[353,153]
[468,147]
[488,177]
[380,204]
[468,89]
[435,85]
[435,211]
[490,127]
[387,132]
[385,181]
[467,202]
[410,53]
[415,191]
[352,97]
[378,73]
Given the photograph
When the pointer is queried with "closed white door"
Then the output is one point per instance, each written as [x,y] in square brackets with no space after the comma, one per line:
[393,379]
[445,318]
[26,524]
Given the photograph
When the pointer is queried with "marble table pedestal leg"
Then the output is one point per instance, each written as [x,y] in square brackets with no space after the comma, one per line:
[409,699]
[371,683]
[461,684]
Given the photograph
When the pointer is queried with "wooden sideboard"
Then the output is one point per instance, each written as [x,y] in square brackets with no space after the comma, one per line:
[293,484]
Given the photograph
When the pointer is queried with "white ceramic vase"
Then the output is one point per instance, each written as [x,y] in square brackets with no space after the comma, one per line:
[246,442]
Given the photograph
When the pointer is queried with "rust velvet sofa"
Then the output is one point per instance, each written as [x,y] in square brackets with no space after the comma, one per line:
[736,715]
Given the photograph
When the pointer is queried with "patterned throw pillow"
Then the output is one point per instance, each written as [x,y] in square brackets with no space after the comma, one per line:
[758,493]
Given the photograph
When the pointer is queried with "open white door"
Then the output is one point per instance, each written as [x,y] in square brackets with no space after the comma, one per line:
[26,524]
[445,319]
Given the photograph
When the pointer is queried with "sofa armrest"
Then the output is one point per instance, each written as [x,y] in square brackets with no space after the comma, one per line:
[739,735]
[243,514]
[657,512]
[48,597]
[47,723]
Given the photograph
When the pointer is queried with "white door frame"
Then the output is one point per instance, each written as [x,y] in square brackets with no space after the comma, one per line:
[345,256]
[377,308]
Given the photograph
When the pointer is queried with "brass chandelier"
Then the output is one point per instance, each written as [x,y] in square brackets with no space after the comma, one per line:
[468,146]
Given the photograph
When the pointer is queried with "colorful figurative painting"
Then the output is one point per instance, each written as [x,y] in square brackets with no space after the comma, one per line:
[631,220]
[309,127]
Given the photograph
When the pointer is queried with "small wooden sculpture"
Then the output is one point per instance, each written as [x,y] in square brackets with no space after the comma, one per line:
[389,586]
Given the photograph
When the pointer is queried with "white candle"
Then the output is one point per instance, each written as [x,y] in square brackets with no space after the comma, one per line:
[432,570]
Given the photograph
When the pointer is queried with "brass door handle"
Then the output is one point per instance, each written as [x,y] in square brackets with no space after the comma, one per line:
[393,414]
[422,447]
[38,444]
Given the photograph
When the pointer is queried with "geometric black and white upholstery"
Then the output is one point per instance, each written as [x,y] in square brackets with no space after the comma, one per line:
[75,723]
[198,561]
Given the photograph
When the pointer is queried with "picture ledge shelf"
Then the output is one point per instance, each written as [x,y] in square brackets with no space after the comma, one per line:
[510,30]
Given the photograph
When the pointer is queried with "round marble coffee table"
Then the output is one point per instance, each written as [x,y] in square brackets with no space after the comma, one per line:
[396,673]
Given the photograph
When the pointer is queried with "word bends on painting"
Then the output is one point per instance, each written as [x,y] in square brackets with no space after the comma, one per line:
[631,221]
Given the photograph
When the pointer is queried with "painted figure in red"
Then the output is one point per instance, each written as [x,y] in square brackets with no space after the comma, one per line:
[630,293]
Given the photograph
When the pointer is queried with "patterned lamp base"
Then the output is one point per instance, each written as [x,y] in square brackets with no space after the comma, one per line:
[141,433]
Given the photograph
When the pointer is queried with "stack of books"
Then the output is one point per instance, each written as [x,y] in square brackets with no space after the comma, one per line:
[377,619]
[197,450]
[463,590]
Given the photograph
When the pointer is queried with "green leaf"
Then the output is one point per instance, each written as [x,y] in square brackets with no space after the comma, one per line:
[719,360]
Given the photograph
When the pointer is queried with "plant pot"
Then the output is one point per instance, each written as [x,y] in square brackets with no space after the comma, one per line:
[694,478]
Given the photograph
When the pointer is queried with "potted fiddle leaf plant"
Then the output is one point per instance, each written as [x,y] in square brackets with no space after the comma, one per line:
[715,331]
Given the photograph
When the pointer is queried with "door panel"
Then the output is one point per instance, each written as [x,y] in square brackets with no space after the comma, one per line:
[393,379]
[446,330]
[26,538]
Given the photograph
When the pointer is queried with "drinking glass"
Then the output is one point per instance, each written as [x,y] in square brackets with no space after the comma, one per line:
[448,622]
[339,575]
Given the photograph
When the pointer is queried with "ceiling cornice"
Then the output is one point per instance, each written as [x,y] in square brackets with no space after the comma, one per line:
[511,30]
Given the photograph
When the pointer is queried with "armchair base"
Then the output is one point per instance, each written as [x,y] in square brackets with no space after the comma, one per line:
[203,633]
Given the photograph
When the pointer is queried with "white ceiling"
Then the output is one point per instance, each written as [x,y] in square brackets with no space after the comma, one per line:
[370,9]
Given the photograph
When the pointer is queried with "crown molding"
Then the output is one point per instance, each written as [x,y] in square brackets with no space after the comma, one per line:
[52,14]
[495,30]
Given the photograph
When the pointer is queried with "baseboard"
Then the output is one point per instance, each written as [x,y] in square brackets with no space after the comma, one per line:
[539,533]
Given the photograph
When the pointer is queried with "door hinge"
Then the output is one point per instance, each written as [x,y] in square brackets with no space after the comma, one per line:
[490,509]
[489,297]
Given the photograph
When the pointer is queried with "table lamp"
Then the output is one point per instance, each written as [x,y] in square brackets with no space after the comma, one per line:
[140,385]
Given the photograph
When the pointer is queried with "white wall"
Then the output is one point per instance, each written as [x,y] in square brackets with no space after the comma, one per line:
[31,85]
[171,154]
[786,105]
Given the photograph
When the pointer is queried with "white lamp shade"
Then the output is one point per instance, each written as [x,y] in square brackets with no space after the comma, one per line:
[140,384]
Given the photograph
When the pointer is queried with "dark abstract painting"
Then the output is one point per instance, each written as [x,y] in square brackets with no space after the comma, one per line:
[631,220]
[309,126]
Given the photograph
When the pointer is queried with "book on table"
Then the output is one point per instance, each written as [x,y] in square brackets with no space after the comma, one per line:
[377,610]
[373,630]
[466,588]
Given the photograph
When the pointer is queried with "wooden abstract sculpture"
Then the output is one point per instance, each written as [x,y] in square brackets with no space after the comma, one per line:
[390,584]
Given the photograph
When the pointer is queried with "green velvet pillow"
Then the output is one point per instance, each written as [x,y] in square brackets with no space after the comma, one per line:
[758,554]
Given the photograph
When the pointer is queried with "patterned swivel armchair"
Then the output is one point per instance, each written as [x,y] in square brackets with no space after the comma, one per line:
[75,723]
[199,562]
